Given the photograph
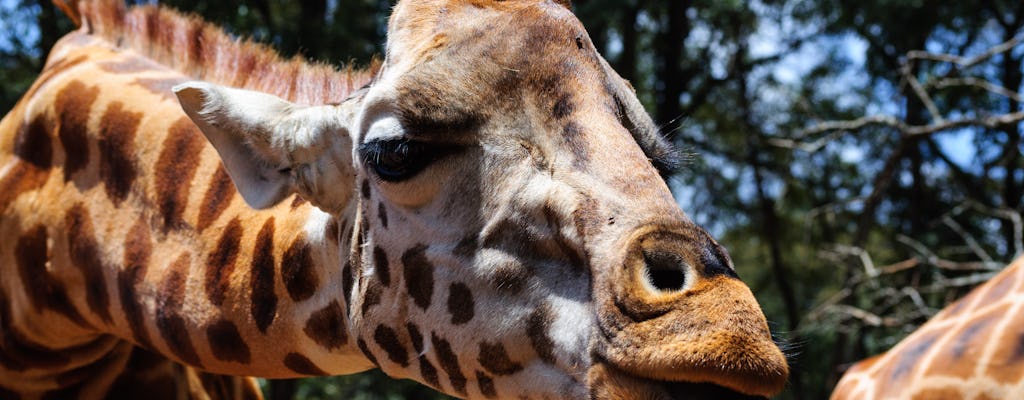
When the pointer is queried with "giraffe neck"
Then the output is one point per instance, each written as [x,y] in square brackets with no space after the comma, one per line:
[120,227]
[971,349]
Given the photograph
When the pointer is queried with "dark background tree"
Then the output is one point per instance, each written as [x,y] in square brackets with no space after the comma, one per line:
[861,160]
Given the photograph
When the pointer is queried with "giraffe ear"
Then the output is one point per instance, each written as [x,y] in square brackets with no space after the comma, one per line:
[272,148]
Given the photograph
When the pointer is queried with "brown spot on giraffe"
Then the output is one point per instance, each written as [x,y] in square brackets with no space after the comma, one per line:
[587,218]
[72,105]
[30,256]
[380,266]
[227,343]
[429,373]
[510,278]
[137,249]
[175,169]
[326,326]
[332,230]
[168,318]
[962,352]
[372,296]
[449,363]
[563,107]
[85,255]
[263,306]
[419,275]
[388,340]
[116,150]
[302,365]
[220,262]
[1007,365]
[415,337]
[297,270]
[513,236]
[33,145]
[366,351]
[496,360]
[347,281]
[216,199]
[536,329]
[382,215]
[467,247]
[460,303]
[576,143]
[486,384]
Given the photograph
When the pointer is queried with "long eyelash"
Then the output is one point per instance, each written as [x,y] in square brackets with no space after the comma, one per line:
[371,152]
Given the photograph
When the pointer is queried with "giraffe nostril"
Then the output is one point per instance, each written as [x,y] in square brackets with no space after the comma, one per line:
[665,271]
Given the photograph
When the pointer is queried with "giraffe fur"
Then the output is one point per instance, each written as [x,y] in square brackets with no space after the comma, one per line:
[971,349]
[483,211]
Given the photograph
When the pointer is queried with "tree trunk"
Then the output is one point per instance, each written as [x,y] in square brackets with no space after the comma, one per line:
[669,66]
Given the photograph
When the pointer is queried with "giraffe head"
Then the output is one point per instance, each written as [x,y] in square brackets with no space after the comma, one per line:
[511,232]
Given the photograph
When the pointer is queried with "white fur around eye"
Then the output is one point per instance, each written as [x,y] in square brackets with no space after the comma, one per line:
[384,127]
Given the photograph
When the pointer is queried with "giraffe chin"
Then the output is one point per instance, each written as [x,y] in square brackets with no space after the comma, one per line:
[609,383]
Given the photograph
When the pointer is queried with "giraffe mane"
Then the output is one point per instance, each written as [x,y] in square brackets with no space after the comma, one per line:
[201,50]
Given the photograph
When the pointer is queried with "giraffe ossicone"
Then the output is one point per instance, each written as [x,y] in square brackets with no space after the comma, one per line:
[483,212]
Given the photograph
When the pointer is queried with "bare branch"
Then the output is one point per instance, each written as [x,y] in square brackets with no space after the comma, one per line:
[837,129]
[978,83]
[968,238]
[963,281]
[907,71]
[1002,213]
[868,318]
[865,258]
[931,258]
[993,121]
[962,62]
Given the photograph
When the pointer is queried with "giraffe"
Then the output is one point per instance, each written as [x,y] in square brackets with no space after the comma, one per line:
[483,212]
[972,349]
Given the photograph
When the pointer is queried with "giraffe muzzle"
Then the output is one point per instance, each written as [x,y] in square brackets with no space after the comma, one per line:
[675,312]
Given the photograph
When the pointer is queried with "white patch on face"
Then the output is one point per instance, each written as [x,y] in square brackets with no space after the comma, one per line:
[385,126]
[316,225]
[570,330]
[377,118]
[538,376]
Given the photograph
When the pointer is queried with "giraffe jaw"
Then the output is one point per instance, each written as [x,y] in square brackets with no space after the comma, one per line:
[609,383]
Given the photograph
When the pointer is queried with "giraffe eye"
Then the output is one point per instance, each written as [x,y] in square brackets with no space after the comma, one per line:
[395,160]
